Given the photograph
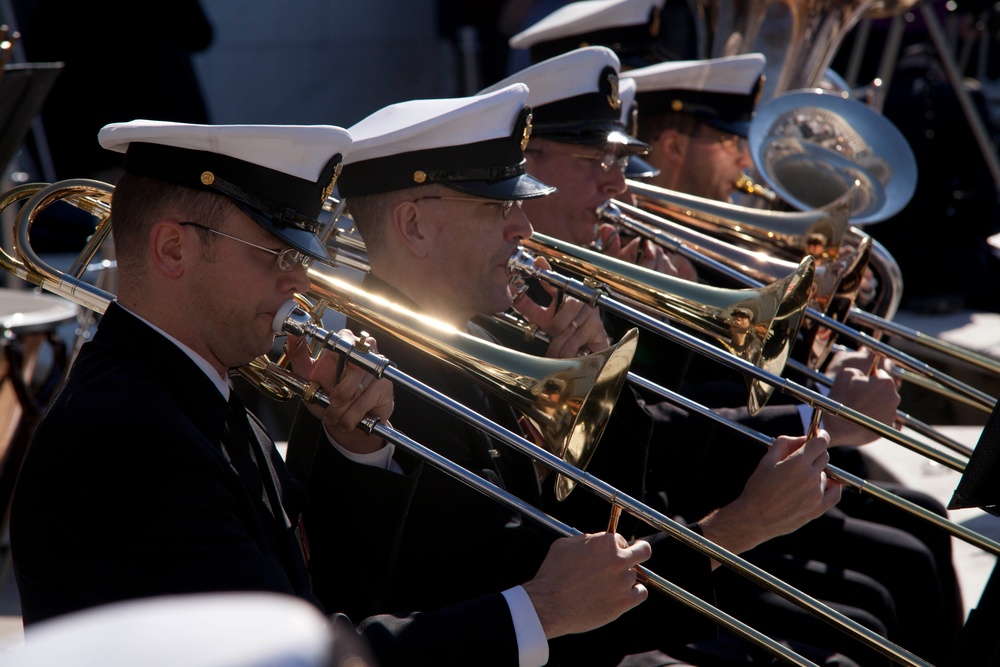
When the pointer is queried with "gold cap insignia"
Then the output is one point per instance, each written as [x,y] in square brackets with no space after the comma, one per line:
[654,22]
[613,99]
[207,178]
[328,190]
[526,133]
[419,176]
[676,105]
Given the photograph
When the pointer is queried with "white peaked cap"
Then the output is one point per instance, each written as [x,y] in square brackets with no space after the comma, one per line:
[473,144]
[737,75]
[424,124]
[562,77]
[722,92]
[575,98]
[196,630]
[279,175]
[586,16]
[302,151]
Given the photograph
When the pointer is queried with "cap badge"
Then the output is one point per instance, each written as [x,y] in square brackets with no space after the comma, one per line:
[328,190]
[654,22]
[526,133]
[207,178]
[676,105]
[613,99]
[419,176]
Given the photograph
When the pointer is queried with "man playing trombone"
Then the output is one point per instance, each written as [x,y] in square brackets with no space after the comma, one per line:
[429,188]
[147,476]
[694,488]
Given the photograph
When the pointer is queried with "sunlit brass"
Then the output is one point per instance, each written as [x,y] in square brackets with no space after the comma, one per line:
[777,308]
[567,400]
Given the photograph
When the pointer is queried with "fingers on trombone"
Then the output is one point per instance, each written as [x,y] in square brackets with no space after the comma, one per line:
[608,239]
[579,328]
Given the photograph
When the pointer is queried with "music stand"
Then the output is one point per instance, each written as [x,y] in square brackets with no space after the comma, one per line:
[23,89]
[980,483]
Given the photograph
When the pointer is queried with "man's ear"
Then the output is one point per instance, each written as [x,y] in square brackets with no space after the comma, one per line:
[170,247]
[413,230]
[672,145]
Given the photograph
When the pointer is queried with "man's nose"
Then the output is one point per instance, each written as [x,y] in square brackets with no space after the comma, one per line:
[518,226]
[613,182]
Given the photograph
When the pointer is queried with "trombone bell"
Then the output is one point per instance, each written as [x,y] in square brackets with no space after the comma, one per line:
[567,401]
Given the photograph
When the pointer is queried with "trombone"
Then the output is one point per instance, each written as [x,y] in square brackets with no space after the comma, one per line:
[522,263]
[635,280]
[754,268]
[709,215]
[779,308]
[295,320]
[863,486]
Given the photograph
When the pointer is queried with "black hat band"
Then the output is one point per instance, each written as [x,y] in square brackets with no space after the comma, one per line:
[492,161]
[726,106]
[287,200]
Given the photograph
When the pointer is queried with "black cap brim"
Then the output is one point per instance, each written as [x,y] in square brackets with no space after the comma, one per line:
[639,168]
[738,127]
[524,186]
[300,239]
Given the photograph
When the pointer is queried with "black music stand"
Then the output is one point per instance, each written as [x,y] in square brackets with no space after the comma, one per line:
[978,642]
[980,483]
[23,89]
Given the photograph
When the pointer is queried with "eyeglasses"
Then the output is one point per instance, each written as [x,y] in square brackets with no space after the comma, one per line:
[729,141]
[605,162]
[506,206]
[287,259]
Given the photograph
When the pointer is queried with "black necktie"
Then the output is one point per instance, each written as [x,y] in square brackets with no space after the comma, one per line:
[246,454]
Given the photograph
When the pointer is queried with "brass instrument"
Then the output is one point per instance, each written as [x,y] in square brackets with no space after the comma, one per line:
[280,382]
[753,269]
[783,231]
[590,288]
[703,308]
[300,322]
[854,139]
[754,227]
[839,266]
[865,487]
[799,37]
[813,146]
[568,401]
[748,186]
[592,292]
[777,309]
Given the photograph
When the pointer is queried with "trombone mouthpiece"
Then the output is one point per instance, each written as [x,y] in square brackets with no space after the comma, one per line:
[278,324]
[609,212]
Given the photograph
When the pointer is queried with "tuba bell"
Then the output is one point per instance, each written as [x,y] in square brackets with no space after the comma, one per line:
[811,147]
